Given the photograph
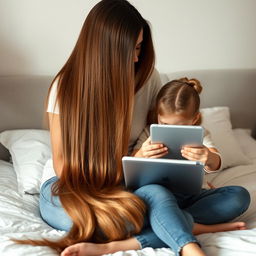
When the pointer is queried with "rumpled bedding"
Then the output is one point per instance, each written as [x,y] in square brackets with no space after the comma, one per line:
[20,219]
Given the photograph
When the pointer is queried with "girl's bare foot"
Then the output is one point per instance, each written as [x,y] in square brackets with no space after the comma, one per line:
[201,229]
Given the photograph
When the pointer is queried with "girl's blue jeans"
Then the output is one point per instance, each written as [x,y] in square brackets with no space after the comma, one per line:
[170,217]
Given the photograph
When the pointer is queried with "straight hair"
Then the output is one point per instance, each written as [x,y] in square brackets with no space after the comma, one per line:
[95,94]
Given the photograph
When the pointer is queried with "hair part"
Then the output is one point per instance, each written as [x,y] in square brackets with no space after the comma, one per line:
[179,96]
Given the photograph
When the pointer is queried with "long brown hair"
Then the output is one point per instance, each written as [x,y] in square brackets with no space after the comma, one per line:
[95,94]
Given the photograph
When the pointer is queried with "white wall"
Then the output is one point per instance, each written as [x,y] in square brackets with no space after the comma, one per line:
[37,36]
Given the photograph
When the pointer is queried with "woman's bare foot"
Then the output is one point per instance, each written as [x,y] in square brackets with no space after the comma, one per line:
[84,249]
[201,228]
[91,249]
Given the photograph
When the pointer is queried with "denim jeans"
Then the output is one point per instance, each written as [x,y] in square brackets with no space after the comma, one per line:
[51,209]
[170,217]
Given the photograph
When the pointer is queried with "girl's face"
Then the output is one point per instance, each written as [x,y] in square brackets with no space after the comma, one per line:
[178,119]
[138,47]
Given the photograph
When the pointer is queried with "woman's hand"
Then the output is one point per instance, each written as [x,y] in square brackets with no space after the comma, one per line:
[210,159]
[149,150]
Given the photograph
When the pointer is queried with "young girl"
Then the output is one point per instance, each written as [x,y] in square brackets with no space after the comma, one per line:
[178,103]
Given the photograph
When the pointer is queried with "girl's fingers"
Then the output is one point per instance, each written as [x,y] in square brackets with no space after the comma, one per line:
[149,152]
[187,153]
[159,155]
[198,151]
[154,146]
[202,152]
[194,157]
[190,155]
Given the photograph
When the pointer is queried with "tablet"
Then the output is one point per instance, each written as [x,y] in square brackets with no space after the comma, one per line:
[180,176]
[175,137]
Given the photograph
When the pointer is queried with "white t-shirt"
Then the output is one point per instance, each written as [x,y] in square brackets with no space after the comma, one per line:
[144,101]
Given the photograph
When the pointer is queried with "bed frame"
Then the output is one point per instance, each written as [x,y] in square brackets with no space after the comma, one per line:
[22,98]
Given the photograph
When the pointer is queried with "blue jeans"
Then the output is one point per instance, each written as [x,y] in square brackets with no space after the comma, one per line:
[170,217]
[51,209]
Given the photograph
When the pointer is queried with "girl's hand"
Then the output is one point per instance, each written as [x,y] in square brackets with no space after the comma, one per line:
[202,154]
[149,150]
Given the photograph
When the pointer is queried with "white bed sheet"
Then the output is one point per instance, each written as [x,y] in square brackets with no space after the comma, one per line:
[19,218]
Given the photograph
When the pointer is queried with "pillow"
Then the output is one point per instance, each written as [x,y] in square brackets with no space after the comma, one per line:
[29,149]
[217,121]
[246,142]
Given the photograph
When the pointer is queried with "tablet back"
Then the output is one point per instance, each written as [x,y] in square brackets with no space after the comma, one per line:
[180,176]
[176,136]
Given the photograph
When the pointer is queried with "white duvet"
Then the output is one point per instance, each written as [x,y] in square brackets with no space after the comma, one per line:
[19,218]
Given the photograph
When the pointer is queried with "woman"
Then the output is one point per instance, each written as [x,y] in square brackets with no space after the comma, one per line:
[98,100]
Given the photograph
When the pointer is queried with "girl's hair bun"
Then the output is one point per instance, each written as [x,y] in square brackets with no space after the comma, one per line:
[193,83]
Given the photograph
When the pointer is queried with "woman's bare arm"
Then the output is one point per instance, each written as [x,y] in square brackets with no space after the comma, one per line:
[55,131]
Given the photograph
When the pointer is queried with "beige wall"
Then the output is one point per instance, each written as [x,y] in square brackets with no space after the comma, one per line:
[37,36]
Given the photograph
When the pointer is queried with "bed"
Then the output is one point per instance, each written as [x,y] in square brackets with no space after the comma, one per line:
[228,102]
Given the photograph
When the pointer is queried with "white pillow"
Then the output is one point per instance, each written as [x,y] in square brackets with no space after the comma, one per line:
[29,149]
[217,121]
[246,142]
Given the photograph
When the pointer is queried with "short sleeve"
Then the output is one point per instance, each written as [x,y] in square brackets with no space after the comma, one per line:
[53,106]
